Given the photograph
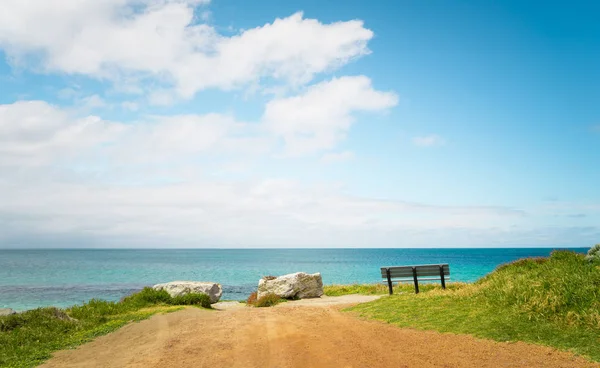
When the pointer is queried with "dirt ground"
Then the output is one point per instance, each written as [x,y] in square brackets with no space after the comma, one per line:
[296,334]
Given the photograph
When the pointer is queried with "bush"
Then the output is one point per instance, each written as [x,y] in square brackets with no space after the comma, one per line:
[252,298]
[268,300]
[45,317]
[563,288]
[593,255]
[99,310]
[148,296]
[192,299]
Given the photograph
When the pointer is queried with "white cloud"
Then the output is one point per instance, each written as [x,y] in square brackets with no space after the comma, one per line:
[428,141]
[87,177]
[201,212]
[35,133]
[162,40]
[318,119]
[161,98]
[333,157]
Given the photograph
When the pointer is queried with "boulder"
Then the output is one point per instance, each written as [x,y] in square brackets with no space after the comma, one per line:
[178,288]
[6,311]
[297,285]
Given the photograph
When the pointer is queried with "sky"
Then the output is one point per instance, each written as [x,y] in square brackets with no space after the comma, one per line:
[227,123]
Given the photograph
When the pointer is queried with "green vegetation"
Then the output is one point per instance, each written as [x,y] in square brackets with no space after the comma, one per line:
[381,289]
[29,338]
[551,301]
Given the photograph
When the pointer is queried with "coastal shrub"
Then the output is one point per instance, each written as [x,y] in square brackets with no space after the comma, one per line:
[268,300]
[49,317]
[148,296]
[200,299]
[252,298]
[563,287]
[593,255]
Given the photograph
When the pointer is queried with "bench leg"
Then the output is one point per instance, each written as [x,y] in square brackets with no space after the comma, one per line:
[389,278]
[442,277]
[414,269]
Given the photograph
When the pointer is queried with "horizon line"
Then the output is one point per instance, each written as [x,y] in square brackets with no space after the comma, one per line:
[298,248]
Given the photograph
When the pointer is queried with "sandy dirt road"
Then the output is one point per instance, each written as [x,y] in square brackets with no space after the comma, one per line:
[296,335]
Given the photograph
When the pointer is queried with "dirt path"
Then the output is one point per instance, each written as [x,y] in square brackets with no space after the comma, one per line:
[308,334]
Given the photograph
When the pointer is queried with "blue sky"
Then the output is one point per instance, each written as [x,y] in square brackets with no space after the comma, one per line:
[196,123]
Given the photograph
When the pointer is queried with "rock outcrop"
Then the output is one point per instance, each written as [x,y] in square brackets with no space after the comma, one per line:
[297,285]
[6,311]
[178,288]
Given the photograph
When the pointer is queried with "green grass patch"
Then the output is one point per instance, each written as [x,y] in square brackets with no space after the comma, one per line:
[27,339]
[552,301]
[380,289]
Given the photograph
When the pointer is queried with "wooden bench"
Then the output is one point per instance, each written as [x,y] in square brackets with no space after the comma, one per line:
[431,272]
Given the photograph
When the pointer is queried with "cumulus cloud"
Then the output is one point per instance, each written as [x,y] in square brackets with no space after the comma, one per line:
[320,117]
[36,133]
[428,141]
[163,40]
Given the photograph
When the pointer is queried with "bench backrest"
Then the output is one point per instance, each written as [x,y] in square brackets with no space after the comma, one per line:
[399,272]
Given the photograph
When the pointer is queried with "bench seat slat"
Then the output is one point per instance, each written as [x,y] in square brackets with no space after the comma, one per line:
[406,271]
[410,280]
[410,273]
[426,267]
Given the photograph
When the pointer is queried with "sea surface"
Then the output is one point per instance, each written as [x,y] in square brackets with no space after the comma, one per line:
[36,278]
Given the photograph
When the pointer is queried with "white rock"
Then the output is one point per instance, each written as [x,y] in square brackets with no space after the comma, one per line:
[178,288]
[6,311]
[297,285]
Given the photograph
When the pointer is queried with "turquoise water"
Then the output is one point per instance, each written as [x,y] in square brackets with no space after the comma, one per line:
[35,278]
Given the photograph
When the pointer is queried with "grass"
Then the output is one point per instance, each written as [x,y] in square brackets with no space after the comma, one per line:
[552,301]
[27,339]
[380,289]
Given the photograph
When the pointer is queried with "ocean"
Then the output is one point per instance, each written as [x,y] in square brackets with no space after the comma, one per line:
[37,278]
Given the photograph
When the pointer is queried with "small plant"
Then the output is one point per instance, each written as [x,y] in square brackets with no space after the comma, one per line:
[593,255]
[192,299]
[269,278]
[252,298]
[268,300]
